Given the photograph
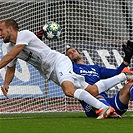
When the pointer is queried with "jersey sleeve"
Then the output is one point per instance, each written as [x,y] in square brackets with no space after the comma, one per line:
[108,72]
[24,37]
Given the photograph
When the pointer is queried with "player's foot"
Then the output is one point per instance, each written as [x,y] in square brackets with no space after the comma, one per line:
[129,75]
[114,115]
[104,113]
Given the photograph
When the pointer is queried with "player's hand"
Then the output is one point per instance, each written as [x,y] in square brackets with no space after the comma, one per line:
[5,89]
[128,50]
[130,44]
[39,34]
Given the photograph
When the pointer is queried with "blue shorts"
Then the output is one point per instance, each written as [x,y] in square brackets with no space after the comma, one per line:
[115,102]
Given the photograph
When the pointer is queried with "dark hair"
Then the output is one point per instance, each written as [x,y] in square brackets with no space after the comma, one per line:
[68,49]
[11,22]
[71,48]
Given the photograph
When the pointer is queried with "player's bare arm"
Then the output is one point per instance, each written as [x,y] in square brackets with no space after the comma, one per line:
[10,70]
[11,55]
[8,78]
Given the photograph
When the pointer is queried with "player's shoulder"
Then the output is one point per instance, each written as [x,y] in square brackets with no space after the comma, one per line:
[26,33]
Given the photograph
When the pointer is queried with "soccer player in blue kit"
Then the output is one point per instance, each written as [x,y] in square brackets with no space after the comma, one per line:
[94,73]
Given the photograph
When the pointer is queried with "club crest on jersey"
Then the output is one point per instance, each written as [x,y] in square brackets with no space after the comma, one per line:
[60,73]
[88,108]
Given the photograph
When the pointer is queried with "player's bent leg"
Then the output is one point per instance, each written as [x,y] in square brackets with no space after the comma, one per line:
[81,94]
[125,94]
[102,110]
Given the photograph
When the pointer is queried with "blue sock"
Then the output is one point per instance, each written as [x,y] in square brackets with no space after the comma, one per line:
[131,93]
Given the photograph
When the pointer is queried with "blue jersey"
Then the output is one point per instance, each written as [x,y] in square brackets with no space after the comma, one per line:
[94,73]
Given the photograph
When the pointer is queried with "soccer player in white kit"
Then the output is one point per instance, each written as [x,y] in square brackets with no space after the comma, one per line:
[51,64]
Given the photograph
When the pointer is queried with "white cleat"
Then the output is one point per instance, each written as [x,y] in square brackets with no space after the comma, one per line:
[104,113]
[129,76]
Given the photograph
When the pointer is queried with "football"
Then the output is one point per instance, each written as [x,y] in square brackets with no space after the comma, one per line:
[52,30]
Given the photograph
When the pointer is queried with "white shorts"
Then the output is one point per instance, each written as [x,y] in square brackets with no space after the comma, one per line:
[63,71]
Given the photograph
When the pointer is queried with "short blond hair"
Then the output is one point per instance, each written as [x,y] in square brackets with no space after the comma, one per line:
[11,22]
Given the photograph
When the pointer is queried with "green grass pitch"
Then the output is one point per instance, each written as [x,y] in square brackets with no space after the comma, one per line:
[73,122]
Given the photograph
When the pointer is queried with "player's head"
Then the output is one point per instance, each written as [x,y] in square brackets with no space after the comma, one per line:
[73,54]
[6,29]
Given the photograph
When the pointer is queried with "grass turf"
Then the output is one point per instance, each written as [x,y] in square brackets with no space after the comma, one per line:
[74,122]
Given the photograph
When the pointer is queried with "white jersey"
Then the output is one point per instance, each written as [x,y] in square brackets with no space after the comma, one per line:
[36,52]
[50,63]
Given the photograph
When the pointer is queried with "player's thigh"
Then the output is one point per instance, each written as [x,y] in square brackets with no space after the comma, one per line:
[125,93]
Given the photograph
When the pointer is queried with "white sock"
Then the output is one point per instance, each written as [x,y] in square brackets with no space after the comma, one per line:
[88,98]
[122,77]
[106,84]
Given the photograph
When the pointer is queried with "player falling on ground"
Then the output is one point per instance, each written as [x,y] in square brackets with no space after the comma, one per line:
[94,73]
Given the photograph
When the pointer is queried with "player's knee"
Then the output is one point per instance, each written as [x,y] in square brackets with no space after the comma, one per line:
[93,92]
[69,93]
[68,88]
